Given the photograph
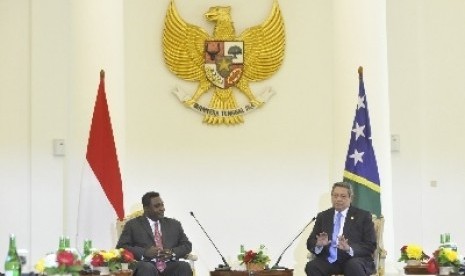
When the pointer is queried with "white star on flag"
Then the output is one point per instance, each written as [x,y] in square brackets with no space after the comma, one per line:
[357,156]
[361,103]
[359,131]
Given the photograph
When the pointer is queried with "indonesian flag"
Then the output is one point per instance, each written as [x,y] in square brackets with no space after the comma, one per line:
[101,193]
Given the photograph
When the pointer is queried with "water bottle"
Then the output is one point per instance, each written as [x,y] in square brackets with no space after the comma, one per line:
[447,238]
[61,243]
[12,262]
[87,248]
[67,243]
[449,242]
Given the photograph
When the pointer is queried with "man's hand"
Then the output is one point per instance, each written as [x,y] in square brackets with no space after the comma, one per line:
[343,243]
[151,252]
[322,239]
[158,253]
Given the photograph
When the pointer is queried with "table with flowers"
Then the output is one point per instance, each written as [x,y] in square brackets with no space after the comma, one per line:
[67,262]
[265,272]
[444,261]
[255,263]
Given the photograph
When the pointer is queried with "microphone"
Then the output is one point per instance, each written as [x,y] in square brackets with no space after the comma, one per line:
[225,265]
[276,266]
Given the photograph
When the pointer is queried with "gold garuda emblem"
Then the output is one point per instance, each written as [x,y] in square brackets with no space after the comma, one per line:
[223,61]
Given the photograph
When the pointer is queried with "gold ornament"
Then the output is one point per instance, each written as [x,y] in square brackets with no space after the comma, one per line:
[223,61]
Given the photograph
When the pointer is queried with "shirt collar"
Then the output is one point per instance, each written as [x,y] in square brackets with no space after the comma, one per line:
[343,212]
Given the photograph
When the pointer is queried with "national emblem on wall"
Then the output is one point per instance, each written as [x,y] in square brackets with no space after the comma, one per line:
[223,63]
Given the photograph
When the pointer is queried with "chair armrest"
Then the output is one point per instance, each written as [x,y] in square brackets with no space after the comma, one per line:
[191,257]
[310,256]
[381,261]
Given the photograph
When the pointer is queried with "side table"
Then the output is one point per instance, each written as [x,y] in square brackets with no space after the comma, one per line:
[417,270]
[266,272]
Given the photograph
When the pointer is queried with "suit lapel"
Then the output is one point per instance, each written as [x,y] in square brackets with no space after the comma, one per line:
[330,223]
[146,226]
[349,222]
[163,230]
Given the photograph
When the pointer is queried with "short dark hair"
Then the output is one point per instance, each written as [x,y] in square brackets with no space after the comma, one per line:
[345,185]
[147,197]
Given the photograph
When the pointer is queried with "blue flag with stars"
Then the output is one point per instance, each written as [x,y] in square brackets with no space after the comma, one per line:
[361,169]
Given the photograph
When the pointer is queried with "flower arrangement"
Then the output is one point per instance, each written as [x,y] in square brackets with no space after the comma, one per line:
[61,262]
[126,256]
[447,257]
[104,258]
[111,259]
[443,257]
[412,252]
[251,256]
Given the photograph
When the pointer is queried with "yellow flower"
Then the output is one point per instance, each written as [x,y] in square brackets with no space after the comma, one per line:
[451,255]
[40,266]
[414,252]
[110,255]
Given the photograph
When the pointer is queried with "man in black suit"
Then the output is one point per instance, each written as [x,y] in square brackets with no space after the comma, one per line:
[139,236]
[349,249]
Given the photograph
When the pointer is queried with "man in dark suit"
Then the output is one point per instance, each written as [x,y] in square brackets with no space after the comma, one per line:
[343,239]
[156,257]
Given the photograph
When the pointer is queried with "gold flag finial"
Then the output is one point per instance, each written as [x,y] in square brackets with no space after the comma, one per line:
[102,74]
[360,72]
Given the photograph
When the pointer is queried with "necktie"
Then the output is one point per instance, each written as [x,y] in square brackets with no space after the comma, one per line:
[333,247]
[161,265]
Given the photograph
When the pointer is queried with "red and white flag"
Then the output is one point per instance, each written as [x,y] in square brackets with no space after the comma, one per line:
[101,192]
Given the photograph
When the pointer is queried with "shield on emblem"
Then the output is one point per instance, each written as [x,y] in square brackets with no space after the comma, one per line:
[224,62]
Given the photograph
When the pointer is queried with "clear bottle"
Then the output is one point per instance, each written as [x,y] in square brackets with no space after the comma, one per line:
[12,262]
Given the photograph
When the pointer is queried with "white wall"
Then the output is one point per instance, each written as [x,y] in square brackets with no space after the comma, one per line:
[15,122]
[259,182]
[426,69]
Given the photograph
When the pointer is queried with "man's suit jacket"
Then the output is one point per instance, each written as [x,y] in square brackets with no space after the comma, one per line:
[358,229]
[137,235]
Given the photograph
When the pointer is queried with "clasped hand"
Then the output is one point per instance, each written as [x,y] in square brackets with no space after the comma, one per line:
[158,253]
[323,240]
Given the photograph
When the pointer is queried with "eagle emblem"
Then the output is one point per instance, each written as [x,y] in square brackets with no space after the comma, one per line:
[223,62]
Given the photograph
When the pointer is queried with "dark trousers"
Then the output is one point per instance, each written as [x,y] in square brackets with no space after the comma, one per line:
[350,267]
[174,268]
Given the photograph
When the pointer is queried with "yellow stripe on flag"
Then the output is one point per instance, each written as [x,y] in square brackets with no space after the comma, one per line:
[362,181]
